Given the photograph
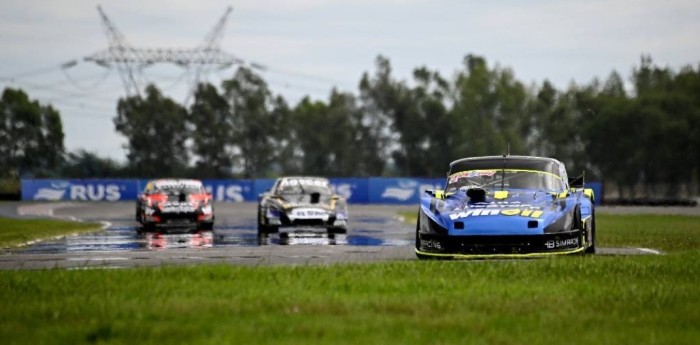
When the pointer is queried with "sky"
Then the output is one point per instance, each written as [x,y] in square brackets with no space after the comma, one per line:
[311,46]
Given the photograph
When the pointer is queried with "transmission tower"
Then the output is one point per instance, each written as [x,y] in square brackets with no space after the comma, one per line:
[131,61]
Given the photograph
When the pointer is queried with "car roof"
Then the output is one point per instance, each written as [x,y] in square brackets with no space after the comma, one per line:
[173,183]
[545,164]
[304,178]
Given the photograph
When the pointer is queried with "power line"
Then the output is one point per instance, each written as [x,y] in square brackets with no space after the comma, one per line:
[59,91]
[38,71]
[308,76]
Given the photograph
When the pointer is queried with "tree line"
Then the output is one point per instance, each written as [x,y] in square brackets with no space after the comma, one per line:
[639,136]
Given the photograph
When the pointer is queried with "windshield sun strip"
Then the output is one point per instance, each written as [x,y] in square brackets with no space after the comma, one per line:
[510,170]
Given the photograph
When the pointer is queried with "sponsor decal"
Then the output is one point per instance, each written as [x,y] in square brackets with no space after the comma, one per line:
[54,192]
[472,173]
[430,244]
[567,243]
[226,193]
[398,193]
[308,213]
[173,184]
[177,207]
[91,192]
[403,192]
[496,212]
[306,181]
[109,192]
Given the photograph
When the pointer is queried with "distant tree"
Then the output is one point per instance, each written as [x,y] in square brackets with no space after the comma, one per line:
[559,121]
[256,120]
[687,84]
[370,141]
[156,133]
[667,113]
[31,136]
[85,164]
[325,136]
[490,111]
[612,141]
[386,105]
[431,96]
[211,129]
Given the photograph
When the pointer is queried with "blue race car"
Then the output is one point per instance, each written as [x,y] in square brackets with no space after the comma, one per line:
[506,207]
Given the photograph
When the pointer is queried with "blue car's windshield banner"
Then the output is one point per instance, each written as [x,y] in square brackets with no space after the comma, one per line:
[396,191]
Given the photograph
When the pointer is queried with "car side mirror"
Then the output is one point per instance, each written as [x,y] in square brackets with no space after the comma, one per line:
[437,193]
[576,182]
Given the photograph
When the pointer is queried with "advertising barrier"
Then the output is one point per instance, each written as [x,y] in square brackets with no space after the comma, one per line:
[79,190]
[373,190]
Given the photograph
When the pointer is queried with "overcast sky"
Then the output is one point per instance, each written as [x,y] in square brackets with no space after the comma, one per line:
[310,46]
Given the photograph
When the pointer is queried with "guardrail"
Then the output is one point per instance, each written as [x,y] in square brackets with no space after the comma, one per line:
[373,190]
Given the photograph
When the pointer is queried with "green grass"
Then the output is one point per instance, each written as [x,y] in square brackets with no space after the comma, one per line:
[574,299]
[15,232]
[665,232]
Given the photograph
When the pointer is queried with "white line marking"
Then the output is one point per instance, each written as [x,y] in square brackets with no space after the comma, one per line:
[112,258]
[650,251]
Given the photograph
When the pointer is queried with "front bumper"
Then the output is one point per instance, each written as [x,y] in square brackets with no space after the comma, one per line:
[500,246]
[181,219]
[325,220]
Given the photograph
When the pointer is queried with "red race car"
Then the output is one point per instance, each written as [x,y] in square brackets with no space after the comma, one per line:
[175,204]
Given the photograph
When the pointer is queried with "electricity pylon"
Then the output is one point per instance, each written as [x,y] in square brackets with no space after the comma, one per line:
[130,61]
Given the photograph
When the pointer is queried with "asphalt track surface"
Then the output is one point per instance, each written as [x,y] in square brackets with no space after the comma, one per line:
[375,233]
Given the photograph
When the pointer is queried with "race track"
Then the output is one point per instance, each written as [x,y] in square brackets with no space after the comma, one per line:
[375,233]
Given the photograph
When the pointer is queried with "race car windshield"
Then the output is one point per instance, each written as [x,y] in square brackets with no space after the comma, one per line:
[290,189]
[183,190]
[178,188]
[496,179]
[303,185]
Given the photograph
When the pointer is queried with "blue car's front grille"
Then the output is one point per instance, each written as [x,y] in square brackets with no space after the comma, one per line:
[502,244]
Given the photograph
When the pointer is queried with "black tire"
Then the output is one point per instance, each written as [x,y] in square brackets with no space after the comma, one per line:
[418,255]
[591,249]
[333,230]
[577,224]
[148,227]
[265,229]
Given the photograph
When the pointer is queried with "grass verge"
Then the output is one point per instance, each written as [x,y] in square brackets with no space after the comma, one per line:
[573,299]
[15,232]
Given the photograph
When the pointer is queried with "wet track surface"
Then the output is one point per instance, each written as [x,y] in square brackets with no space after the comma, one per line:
[235,226]
[371,230]
[374,233]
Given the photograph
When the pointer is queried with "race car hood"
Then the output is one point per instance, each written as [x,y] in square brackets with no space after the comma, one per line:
[513,212]
[306,201]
